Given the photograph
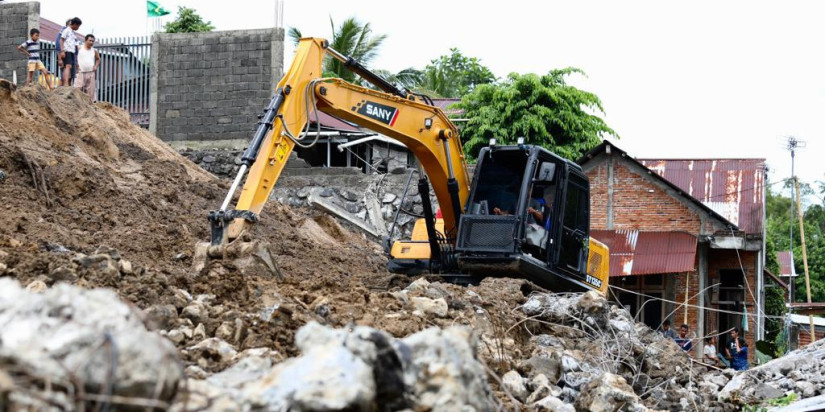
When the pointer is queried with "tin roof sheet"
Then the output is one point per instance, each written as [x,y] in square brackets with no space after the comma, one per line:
[634,252]
[733,188]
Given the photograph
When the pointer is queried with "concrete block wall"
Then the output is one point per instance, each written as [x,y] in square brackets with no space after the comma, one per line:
[16,19]
[208,88]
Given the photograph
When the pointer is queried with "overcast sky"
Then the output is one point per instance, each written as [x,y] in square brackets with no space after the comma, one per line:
[700,79]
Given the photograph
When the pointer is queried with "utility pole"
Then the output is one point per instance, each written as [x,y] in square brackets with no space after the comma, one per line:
[805,259]
[792,144]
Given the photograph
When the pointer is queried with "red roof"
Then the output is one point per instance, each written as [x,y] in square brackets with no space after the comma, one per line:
[785,263]
[444,105]
[645,253]
[49,31]
[733,188]
[332,122]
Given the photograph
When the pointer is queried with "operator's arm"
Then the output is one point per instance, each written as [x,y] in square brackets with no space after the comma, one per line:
[536,214]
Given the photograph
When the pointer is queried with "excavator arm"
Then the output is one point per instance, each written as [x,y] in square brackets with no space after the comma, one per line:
[424,129]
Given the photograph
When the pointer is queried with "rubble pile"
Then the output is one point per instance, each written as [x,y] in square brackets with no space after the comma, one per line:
[103,303]
[591,353]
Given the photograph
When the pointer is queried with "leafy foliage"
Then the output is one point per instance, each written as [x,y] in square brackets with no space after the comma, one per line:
[351,38]
[454,75]
[545,110]
[774,296]
[779,221]
[188,21]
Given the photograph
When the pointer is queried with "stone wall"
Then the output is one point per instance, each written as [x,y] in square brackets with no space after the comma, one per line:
[209,88]
[16,19]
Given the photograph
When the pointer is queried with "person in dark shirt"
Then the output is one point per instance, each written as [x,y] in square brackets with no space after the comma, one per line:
[666,331]
[737,351]
[683,340]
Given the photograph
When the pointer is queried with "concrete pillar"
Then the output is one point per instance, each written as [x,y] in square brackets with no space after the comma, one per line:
[702,250]
[153,85]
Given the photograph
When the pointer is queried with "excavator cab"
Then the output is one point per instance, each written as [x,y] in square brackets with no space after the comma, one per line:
[528,214]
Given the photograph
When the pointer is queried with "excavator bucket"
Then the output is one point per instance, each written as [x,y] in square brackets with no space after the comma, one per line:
[243,255]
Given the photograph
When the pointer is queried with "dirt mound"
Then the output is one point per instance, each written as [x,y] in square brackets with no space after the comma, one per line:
[79,176]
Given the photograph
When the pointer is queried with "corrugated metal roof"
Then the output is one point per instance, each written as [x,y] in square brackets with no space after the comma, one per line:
[785,263]
[444,105]
[332,122]
[633,252]
[733,188]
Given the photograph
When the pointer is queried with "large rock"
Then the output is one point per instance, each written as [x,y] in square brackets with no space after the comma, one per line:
[360,369]
[71,334]
[442,371]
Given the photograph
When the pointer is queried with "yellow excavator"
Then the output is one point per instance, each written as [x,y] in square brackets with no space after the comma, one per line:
[523,213]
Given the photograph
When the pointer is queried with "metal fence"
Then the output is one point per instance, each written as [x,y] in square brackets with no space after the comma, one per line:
[123,76]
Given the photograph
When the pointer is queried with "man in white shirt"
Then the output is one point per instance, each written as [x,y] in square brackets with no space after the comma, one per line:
[88,60]
[68,47]
[712,356]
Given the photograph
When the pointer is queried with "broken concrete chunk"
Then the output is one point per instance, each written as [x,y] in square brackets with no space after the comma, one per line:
[427,306]
[513,383]
[66,328]
[552,404]
[606,392]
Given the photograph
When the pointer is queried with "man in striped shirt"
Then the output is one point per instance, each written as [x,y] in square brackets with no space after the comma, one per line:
[31,48]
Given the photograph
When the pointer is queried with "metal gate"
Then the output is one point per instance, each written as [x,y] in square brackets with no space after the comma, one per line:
[123,76]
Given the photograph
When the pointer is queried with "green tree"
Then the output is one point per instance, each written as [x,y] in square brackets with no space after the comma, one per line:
[409,78]
[774,296]
[188,21]
[779,221]
[351,38]
[545,110]
[454,75]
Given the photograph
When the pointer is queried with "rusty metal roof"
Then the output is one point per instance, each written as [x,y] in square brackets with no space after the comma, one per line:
[785,263]
[634,252]
[733,188]
[445,103]
[332,122]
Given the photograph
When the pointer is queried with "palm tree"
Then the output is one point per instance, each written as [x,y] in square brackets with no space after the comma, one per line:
[350,38]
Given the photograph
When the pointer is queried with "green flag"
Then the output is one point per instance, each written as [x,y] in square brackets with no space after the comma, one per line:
[155,10]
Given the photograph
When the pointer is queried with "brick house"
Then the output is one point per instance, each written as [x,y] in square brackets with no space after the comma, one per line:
[686,238]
